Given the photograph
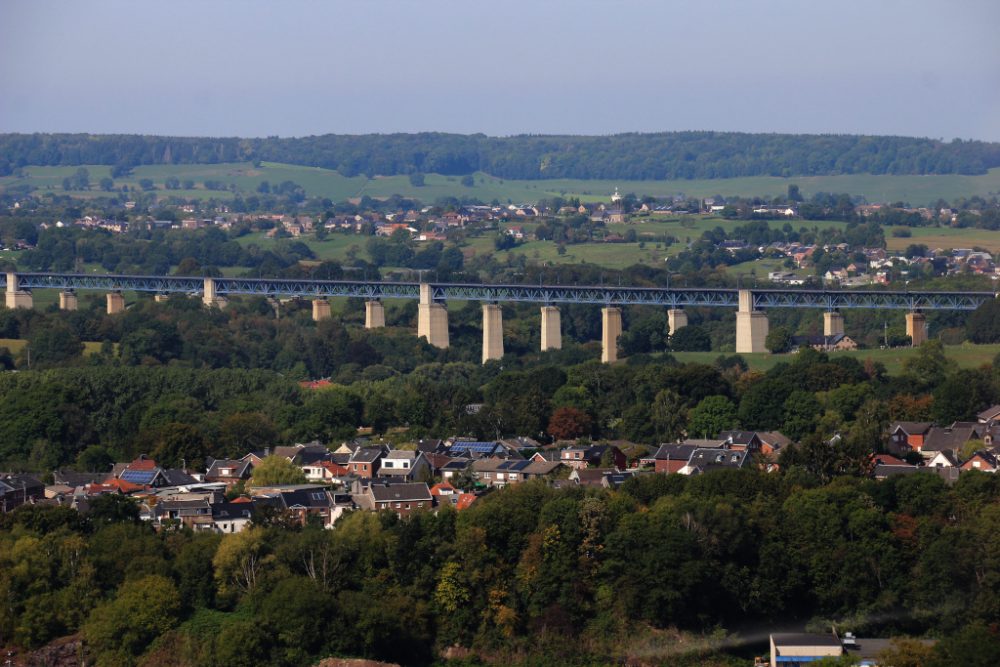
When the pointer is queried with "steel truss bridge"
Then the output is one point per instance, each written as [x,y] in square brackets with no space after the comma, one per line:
[670,297]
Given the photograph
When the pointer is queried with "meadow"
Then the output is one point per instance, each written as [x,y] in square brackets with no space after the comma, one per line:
[965,355]
[917,190]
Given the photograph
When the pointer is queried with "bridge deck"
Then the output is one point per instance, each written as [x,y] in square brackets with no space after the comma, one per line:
[672,297]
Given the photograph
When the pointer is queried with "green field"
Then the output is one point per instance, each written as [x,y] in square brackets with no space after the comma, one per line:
[918,190]
[946,237]
[965,355]
[15,345]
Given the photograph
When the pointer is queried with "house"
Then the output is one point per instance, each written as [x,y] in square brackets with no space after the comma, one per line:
[455,467]
[324,472]
[983,461]
[231,517]
[403,499]
[671,458]
[908,436]
[989,414]
[365,461]
[195,513]
[743,441]
[501,472]
[614,479]
[307,502]
[547,455]
[825,343]
[16,489]
[228,471]
[950,438]
[944,459]
[588,476]
[709,459]
[477,449]
[404,464]
[772,442]
[795,649]
[591,456]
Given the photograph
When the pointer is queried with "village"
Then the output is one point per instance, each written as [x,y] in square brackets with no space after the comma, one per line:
[431,474]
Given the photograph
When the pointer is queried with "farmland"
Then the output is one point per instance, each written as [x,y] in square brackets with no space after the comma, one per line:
[965,355]
[918,190]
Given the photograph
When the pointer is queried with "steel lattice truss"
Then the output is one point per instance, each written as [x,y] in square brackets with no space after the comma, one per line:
[542,294]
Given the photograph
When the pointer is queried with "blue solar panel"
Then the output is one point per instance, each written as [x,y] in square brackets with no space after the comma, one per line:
[483,447]
[139,476]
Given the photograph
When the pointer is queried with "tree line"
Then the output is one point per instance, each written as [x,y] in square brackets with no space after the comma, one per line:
[633,156]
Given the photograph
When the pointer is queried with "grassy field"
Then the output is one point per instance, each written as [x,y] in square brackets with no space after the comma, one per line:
[15,345]
[939,237]
[965,355]
[918,190]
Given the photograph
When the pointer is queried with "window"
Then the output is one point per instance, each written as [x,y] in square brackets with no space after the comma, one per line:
[397,505]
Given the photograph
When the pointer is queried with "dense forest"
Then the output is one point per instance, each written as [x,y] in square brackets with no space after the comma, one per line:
[667,570]
[670,155]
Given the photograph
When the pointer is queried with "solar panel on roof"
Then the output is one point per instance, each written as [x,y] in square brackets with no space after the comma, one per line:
[475,446]
[139,476]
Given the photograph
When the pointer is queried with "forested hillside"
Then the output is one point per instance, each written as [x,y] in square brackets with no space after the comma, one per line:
[670,155]
[529,575]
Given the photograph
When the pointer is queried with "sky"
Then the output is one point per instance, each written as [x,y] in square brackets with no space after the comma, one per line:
[927,68]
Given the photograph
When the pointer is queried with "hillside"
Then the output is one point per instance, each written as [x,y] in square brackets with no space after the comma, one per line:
[660,156]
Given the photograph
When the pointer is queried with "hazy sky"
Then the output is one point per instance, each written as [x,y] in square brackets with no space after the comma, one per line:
[292,67]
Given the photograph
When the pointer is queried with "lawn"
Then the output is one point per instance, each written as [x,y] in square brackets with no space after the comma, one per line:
[917,190]
[965,355]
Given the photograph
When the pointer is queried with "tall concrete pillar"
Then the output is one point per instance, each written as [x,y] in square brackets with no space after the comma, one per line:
[676,318]
[210,298]
[492,332]
[833,323]
[551,328]
[67,300]
[611,329]
[116,303]
[321,310]
[751,326]
[374,315]
[16,298]
[161,298]
[916,328]
[432,319]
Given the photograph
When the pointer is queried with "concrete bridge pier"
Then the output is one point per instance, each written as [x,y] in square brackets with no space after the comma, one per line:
[432,318]
[116,303]
[751,326]
[551,328]
[676,318]
[17,298]
[916,328]
[492,332]
[321,310]
[374,314]
[833,323]
[68,300]
[611,329]
[210,298]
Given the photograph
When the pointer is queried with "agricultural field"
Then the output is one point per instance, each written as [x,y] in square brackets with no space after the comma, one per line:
[946,237]
[917,190]
[965,355]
